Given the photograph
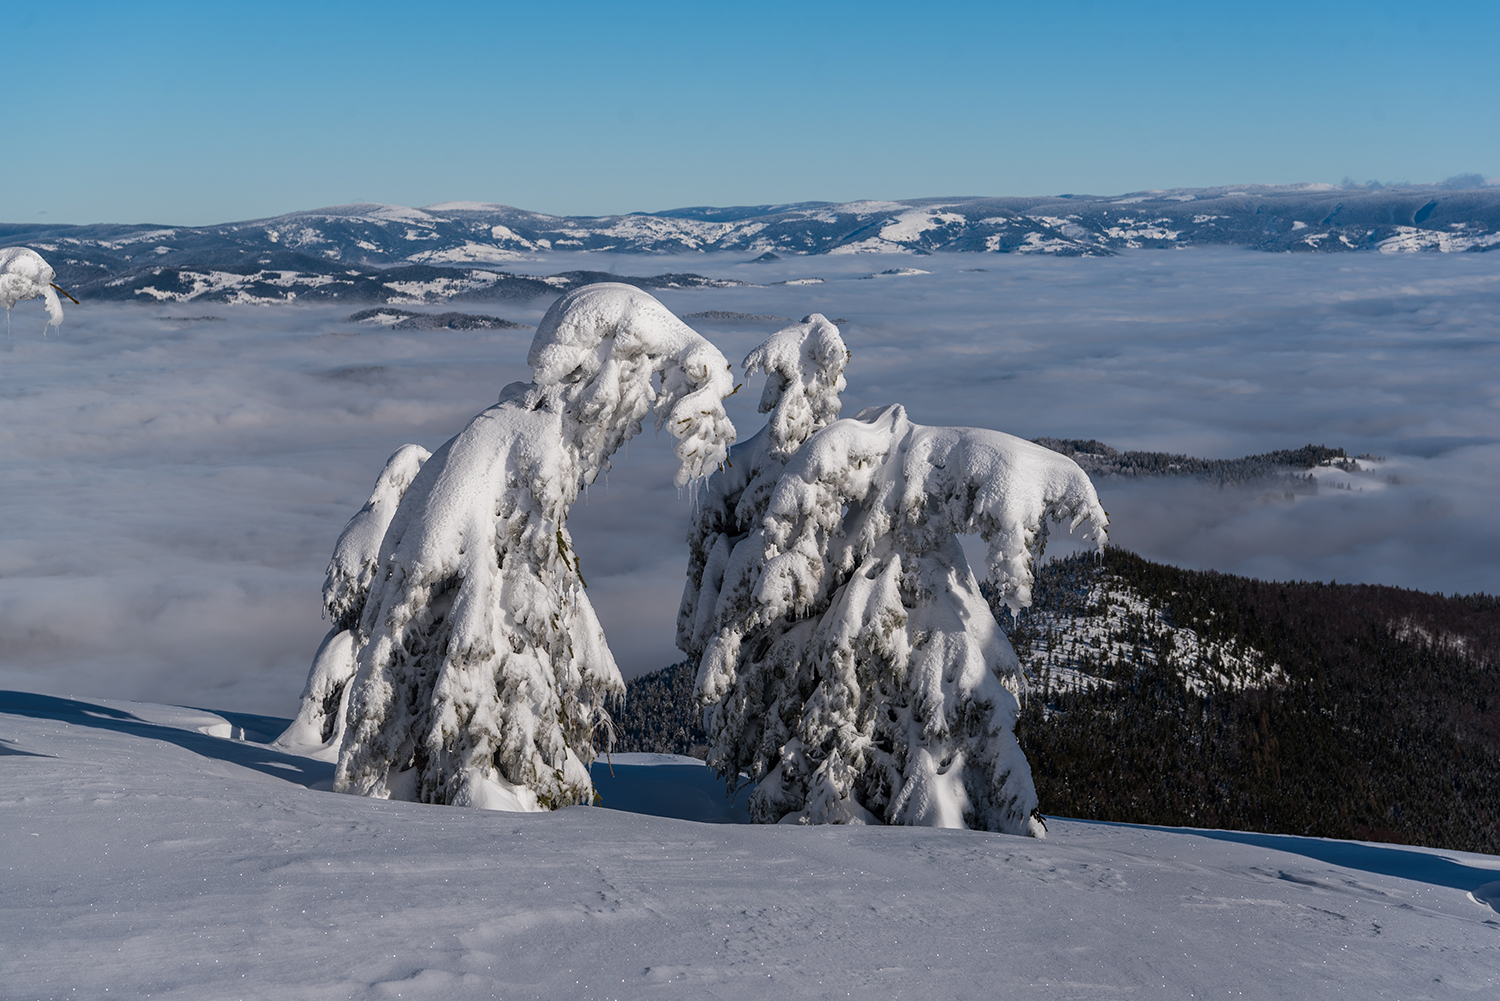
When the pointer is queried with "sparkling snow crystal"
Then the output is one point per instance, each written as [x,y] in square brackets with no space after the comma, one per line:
[465,664]
[24,275]
[847,660]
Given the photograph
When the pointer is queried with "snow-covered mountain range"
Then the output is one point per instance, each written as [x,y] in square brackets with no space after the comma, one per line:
[388,253]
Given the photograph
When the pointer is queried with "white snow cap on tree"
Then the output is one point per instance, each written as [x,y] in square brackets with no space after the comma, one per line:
[25,275]
[848,660]
[804,365]
[479,668]
[594,357]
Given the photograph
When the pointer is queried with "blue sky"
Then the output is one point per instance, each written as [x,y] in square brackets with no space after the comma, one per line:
[196,113]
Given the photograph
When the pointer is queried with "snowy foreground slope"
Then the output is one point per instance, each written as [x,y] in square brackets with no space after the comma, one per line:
[148,853]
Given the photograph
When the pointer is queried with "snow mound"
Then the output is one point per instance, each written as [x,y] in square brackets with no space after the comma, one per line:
[148,860]
[1487,895]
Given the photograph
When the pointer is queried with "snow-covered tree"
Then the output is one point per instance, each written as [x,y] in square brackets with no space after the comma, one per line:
[25,275]
[847,660]
[804,367]
[469,661]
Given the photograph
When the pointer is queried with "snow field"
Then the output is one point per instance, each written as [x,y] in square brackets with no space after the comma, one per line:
[146,859]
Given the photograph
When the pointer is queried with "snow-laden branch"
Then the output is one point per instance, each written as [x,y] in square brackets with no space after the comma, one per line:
[880,475]
[479,669]
[318,729]
[594,358]
[25,275]
[356,556]
[804,365]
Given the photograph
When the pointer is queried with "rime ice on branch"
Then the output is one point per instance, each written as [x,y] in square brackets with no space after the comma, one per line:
[467,657]
[847,660]
[25,275]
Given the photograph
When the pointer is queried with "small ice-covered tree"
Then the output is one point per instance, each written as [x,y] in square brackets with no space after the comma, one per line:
[467,658]
[25,275]
[847,660]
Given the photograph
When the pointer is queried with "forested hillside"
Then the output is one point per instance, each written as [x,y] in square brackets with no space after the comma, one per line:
[1291,464]
[661,714]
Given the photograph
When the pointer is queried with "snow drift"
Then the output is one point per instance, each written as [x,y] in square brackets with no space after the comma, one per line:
[149,859]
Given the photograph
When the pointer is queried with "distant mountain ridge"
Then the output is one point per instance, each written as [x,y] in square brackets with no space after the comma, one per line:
[448,249]
[1099,459]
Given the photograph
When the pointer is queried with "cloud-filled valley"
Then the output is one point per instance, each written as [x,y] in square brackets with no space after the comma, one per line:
[175,486]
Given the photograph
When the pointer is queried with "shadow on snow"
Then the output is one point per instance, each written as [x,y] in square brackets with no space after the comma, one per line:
[1384,860]
[246,754]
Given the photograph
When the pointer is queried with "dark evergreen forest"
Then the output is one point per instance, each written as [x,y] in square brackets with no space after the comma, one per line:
[1387,728]
[660,714]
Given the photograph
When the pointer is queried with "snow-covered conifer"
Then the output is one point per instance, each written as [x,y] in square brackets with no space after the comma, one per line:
[25,275]
[804,367]
[847,660]
[478,667]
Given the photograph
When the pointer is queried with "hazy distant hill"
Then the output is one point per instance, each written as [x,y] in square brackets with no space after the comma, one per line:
[1288,464]
[383,253]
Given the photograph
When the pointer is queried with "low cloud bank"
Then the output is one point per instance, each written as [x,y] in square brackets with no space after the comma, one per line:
[174,489]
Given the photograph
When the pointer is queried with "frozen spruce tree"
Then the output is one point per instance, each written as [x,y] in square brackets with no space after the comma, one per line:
[466,657]
[25,275]
[847,660]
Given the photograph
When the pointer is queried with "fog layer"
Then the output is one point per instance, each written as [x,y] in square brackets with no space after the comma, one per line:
[173,488]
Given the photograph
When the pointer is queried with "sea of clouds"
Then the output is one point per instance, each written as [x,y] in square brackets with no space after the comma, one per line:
[174,487]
